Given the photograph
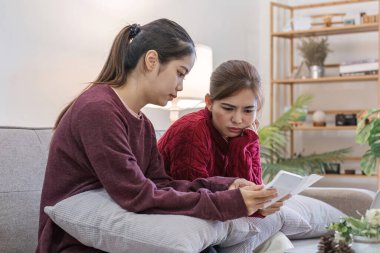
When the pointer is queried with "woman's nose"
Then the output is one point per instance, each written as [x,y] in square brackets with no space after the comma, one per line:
[179,86]
[237,118]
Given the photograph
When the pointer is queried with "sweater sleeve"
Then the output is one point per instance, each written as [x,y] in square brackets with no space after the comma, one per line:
[186,151]
[244,157]
[159,176]
[103,136]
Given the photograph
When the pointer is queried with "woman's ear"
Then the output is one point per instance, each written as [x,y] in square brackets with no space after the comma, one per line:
[151,60]
[209,102]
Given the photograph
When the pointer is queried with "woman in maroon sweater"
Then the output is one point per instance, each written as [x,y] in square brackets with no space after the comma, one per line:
[102,139]
[220,140]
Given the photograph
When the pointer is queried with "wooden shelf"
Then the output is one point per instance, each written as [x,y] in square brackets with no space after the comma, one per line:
[348,175]
[282,57]
[345,111]
[348,29]
[327,79]
[323,128]
[352,158]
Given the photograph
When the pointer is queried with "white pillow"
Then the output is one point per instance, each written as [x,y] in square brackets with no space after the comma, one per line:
[277,243]
[241,229]
[292,222]
[253,231]
[95,220]
[317,213]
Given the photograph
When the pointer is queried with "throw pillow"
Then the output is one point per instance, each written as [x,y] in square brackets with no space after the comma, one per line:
[317,213]
[241,229]
[95,220]
[292,222]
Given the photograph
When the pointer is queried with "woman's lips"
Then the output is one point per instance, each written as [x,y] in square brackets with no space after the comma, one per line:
[234,129]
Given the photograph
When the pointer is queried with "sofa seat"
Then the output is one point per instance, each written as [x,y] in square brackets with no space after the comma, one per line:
[23,159]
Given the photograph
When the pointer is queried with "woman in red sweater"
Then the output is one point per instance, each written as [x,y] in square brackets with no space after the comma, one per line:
[102,139]
[220,140]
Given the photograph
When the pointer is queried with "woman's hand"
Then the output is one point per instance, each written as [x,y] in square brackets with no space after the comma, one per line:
[239,183]
[273,208]
[255,197]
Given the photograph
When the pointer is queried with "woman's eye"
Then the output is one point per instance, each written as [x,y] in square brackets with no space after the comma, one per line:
[180,74]
[249,110]
[227,108]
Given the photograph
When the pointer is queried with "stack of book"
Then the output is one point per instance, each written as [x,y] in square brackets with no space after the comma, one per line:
[363,67]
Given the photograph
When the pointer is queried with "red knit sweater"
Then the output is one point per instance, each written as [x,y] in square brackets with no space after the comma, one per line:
[192,148]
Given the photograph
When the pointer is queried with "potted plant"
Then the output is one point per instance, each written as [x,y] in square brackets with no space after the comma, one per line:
[359,232]
[368,132]
[274,140]
[314,52]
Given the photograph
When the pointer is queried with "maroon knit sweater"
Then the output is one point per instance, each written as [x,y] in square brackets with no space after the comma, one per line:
[193,148]
[98,143]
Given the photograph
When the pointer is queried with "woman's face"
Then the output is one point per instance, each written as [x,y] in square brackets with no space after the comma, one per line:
[231,115]
[169,79]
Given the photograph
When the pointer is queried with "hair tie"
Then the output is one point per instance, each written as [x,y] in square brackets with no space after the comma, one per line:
[134,30]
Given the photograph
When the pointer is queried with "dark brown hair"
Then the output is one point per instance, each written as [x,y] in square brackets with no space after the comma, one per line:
[233,76]
[169,39]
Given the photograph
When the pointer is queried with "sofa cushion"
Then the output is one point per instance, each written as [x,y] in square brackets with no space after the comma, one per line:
[96,221]
[351,201]
[23,159]
[317,213]
[19,221]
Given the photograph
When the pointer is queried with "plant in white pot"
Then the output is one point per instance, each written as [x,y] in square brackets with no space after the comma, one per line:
[314,51]
[363,233]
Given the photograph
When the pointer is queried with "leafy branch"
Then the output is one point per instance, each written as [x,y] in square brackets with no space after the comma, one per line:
[274,139]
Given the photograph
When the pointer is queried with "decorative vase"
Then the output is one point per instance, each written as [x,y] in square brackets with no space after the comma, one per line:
[319,118]
[362,244]
[316,71]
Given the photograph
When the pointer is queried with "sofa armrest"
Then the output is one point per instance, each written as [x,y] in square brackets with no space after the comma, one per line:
[348,200]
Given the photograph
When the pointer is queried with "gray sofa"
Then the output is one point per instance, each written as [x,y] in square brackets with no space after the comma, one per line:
[23,154]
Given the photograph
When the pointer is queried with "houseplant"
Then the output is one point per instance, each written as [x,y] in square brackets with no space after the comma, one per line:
[363,233]
[274,139]
[368,132]
[314,52]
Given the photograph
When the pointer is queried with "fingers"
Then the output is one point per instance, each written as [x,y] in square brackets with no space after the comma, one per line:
[253,187]
[240,182]
[243,182]
[286,197]
[269,211]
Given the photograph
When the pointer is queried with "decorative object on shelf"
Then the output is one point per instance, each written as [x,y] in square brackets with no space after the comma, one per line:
[319,118]
[368,19]
[314,51]
[331,168]
[297,23]
[345,119]
[302,72]
[298,116]
[327,20]
[349,172]
[364,232]
[350,21]
[361,67]
[367,132]
[196,83]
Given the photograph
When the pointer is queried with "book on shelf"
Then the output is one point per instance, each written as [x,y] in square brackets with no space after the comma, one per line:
[289,183]
[364,67]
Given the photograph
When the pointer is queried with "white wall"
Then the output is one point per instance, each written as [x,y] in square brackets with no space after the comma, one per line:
[50,50]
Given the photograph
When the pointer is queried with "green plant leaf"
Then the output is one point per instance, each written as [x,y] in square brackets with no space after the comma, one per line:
[368,163]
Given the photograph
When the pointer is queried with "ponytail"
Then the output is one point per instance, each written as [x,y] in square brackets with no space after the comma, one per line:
[166,37]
